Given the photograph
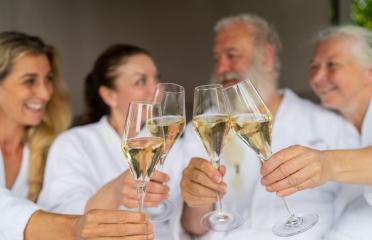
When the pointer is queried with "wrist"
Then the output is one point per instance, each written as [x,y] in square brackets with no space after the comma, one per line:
[331,166]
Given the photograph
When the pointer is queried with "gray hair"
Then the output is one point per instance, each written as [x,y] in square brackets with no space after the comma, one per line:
[265,32]
[362,38]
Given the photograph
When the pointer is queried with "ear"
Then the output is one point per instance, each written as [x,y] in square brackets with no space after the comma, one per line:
[269,56]
[108,95]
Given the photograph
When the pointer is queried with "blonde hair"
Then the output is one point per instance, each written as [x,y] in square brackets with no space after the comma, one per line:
[57,116]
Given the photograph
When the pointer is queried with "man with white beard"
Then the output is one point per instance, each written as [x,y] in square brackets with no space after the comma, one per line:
[246,45]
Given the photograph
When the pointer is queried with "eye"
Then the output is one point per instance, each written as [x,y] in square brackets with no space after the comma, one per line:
[29,81]
[332,65]
[141,82]
[50,77]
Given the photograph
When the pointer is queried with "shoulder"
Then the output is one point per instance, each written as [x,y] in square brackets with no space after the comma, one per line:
[309,110]
[85,134]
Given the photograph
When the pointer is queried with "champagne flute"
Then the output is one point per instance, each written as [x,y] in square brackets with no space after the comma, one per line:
[251,121]
[211,123]
[141,148]
[171,98]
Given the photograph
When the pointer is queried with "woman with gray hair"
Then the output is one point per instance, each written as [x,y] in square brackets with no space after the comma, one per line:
[341,76]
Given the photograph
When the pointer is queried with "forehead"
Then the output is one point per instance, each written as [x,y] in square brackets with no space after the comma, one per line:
[140,63]
[235,36]
[334,47]
[31,63]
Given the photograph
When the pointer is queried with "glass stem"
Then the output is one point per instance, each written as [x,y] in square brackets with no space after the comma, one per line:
[141,196]
[287,207]
[219,202]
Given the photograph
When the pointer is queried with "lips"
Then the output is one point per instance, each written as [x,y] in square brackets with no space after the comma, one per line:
[35,106]
[326,91]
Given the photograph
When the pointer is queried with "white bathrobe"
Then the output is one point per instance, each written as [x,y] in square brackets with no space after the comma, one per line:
[15,210]
[355,221]
[83,159]
[298,121]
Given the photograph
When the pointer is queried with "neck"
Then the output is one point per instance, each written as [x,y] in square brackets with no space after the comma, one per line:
[116,123]
[356,111]
[273,102]
[12,136]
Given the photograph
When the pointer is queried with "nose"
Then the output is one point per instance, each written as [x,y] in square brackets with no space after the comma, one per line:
[152,87]
[44,90]
[222,66]
[317,76]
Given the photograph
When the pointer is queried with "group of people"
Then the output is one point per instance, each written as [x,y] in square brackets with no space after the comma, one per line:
[74,184]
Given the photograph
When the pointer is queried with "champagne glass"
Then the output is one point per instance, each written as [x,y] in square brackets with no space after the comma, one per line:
[171,98]
[251,121]
[211,123]
[142,149]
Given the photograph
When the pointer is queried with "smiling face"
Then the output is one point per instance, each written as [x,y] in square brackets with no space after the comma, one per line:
[26,90]
[135,80]
[233,52]
[336,75]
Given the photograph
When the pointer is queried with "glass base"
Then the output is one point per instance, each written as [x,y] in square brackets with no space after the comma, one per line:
[295,225]
[221,222]
[161,213]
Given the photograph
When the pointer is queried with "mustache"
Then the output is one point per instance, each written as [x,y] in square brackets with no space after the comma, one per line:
[228,77]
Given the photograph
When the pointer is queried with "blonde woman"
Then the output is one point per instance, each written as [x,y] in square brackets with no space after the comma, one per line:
[33,111]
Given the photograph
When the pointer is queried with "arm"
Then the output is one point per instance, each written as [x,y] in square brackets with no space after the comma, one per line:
[199,187]
[296,168]
[350,166]
[97,224]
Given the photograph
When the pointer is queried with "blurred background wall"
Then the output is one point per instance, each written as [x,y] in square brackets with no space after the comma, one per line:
[178,33]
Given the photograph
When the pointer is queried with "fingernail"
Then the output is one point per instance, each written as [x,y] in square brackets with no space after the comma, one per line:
[269,188]
[217,178]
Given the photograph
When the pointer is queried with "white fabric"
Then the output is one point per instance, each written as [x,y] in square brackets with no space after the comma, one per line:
[15,210]
[366,136]
[356,220]
[297,121]
[83,159]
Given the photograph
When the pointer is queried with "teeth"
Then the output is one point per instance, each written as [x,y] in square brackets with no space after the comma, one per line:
[34,106]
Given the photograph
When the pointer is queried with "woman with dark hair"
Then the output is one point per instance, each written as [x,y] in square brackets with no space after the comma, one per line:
[33,111]
[86,168]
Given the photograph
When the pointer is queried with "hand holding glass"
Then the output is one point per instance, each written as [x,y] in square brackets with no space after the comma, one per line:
[171,98]
[142,149]
[252,122]
[211,123]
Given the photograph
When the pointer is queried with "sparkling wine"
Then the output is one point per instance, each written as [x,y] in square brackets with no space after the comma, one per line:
[255,131]
[172,127]
[212,131]
[142,155]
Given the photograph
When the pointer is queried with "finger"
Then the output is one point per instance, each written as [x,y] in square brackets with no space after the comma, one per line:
[196,201]
[120,230]
[222,170]
[294,180]
[156,187]
[160,177]
[141,237]
[207,168]
[115,216]
[286,169]
[130,203]
[153,197]
[200,178]
[279,158]
[289,191]
[198,190]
